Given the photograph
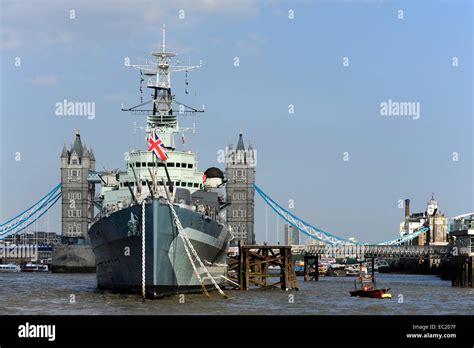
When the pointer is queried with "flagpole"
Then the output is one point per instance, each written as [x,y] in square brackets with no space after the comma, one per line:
[155,169]
[169,178]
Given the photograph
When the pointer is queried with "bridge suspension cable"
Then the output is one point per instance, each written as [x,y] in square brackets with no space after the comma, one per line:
[324,236]
[30,215]
[301,225]
[406,237]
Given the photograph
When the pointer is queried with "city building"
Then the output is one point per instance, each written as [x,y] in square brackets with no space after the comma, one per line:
[432,217]
[462,262]
[28,238]
[240,174]
[462,229]
[43,241]
[312,241]
[412,222]
[77,192]
[292,235]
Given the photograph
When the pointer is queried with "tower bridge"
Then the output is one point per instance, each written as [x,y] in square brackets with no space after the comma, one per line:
[77,189]
[330,244]
[327,244]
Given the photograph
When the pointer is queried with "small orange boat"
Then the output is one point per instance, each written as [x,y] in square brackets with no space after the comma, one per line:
[368,289]
[365,286]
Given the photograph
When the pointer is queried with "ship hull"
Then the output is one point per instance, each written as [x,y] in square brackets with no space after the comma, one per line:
[117,245]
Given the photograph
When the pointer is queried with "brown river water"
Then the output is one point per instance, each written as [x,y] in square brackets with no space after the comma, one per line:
[74,294]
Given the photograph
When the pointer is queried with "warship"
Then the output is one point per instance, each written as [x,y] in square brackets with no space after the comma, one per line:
[160,228]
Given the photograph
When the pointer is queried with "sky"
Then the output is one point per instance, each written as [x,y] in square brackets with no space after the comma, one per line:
[342,161]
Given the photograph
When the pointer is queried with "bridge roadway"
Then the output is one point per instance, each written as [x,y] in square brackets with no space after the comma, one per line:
[361,251]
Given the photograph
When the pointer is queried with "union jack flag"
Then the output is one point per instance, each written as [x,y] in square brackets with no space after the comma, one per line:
[157,146]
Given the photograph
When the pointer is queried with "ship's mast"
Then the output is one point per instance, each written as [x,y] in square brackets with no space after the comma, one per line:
[159,73]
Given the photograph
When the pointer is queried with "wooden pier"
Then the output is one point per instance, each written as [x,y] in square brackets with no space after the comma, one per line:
[263,266]
[462,271]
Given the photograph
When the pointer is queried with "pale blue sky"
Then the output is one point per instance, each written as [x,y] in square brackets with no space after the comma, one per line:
[282,62]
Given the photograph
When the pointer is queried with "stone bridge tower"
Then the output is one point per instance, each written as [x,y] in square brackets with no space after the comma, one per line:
[77,193]
[240,173]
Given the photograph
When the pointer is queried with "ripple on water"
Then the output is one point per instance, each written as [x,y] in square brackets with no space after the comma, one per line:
[37,293]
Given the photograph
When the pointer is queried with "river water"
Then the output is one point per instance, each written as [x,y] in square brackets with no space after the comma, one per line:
[72,294]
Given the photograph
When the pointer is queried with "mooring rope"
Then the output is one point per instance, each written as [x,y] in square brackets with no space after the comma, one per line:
[185,238]
[201,281]
[143,252]
[189,245]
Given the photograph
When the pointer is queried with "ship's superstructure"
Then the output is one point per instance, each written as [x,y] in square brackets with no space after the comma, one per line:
[142,164]
[151,195]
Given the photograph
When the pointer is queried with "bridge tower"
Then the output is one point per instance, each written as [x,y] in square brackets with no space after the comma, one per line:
[77,193]
[438,232]
[240,173]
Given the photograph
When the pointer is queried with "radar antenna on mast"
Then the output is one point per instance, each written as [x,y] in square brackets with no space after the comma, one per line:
[164,38]
[159,80]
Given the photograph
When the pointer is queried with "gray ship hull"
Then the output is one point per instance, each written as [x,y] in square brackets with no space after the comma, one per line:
[117,245]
